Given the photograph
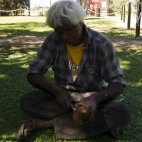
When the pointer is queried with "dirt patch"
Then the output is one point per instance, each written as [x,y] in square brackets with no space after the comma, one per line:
[8,40]
[122,42]
[26,40]
[21,41]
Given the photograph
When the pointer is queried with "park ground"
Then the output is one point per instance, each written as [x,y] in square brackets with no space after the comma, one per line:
[20,39]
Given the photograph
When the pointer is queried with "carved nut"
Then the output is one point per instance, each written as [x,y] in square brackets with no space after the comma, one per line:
[78,114]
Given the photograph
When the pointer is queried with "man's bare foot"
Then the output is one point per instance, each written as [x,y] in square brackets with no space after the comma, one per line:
[31,125]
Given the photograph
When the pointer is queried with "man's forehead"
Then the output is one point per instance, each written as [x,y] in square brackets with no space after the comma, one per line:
[64,26]
[65,22]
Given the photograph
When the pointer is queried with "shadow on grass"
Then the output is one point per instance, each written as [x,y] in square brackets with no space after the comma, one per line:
[13,69]
[25,28]
[130,57]
[120,33]
[38,29]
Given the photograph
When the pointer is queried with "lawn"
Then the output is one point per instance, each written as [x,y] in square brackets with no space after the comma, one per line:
[20,39]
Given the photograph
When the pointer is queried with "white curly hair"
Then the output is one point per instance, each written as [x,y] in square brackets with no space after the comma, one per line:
[68,10]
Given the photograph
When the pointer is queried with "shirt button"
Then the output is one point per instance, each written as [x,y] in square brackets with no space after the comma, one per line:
[90,70]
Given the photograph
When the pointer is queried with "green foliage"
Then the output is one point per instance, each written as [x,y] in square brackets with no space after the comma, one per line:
[12,5]
[116,5]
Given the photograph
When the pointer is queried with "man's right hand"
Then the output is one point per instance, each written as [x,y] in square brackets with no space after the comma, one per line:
[64,100]
[62,96]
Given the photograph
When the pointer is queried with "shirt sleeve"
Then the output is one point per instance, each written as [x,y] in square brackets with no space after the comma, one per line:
[110,68]
[43,60]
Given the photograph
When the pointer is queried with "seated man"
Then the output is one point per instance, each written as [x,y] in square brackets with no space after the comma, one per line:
[82,60]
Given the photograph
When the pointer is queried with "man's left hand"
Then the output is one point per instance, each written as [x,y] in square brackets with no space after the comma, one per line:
[91,107]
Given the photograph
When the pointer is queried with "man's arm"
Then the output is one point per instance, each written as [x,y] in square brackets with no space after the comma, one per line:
[92,102]
[110,72]
[40,82]
[61,95]
[110,92]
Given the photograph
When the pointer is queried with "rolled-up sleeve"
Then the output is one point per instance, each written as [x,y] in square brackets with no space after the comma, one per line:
[43,60]
[110,68]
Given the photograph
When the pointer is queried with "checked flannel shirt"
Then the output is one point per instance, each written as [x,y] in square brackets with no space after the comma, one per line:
[99,62]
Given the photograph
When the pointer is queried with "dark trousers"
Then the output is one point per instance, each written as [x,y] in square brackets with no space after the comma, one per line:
[110,115]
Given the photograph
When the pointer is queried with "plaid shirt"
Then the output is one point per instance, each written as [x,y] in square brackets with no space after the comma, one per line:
[99,62]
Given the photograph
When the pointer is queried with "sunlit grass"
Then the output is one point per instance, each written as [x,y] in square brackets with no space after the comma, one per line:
[2,76]
[22,19]
[24,26]
[14,60]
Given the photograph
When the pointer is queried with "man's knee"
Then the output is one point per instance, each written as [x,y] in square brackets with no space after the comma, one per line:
[125,113]
[122,112]
[117,112]
[31,99]
[24,103]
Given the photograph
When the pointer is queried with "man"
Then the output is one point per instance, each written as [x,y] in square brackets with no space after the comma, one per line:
[82,60]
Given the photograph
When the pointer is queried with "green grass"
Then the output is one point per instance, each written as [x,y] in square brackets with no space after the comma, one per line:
[16,52]
[34,26]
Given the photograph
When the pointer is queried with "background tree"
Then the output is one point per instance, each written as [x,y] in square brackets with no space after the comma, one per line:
[117,4]
[8,5]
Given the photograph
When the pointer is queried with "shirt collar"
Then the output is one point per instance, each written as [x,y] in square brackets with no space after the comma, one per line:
[87,36]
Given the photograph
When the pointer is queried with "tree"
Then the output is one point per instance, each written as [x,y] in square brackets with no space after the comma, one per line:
[7,5]
[117,4]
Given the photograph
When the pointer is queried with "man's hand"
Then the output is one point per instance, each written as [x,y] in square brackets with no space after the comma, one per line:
[90,105]
[61,95]
[64,100]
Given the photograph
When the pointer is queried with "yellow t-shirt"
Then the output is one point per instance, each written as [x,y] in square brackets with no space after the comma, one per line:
[74,54]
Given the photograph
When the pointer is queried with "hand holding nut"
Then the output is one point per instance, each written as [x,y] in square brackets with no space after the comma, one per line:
[78,114]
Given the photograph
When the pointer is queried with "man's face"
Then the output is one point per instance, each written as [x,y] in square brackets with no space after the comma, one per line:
[70,34]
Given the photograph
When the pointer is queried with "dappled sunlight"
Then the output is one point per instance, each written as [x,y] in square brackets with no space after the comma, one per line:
[96,21]
[22,19]
[24,66]
[125,65]
[42,28]
[17,59]
[3,76]
[39,29]
[8,137]
[25,29]
[19,42]
[18,51]
[98,24]
[139,84]
[16,56]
